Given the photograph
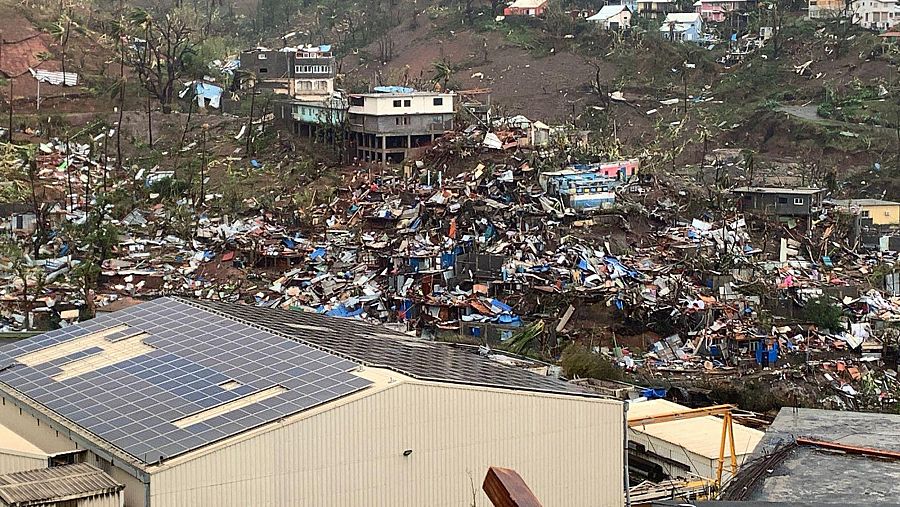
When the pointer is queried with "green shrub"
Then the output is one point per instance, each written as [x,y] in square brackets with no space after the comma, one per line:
[823,313]
[578,361]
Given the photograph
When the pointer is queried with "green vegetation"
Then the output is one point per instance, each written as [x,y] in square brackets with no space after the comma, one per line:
[868,102]
[823,313]
[578,361]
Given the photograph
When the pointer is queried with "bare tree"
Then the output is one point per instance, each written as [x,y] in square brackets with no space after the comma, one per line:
[162,61]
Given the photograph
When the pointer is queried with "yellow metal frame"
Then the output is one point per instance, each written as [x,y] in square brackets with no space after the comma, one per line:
[727,430]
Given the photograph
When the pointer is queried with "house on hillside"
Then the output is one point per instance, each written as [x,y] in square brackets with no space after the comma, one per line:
[876,14]
[612,17]
[879,211]
[777,201]
[526,8]
[655,8]
[385,125]
[304,72]
[819,9]
[717,10]
[682,27]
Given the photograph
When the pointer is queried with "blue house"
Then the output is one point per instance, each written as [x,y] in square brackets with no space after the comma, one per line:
[682,27]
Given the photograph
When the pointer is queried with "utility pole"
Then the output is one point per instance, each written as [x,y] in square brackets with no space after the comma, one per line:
[10,126]
[149,121]
[203,167]
[250,120]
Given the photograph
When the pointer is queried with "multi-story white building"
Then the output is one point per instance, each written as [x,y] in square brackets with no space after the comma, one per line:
[871,14]
[387,124]
[876,14]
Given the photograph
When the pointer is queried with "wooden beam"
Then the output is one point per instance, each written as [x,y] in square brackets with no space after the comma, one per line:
[506,488]
[680,415]
[849,449]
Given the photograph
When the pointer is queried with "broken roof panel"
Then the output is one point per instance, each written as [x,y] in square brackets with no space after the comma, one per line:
[55,78]
[36,487]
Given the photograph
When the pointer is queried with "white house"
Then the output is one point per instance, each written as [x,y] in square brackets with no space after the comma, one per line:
[876,14]
[682,26]
[613,17]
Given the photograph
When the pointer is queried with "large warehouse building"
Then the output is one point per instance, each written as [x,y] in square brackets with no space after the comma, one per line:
[199,404]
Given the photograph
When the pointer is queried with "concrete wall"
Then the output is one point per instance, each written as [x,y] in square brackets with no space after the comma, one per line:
[402,125]
[382,104]
[779,204]
[884,214]
[568,449]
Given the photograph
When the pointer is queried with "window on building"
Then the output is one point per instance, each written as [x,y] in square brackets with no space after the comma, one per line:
[357,101]
[439,101]
[865,213]
[398,103]
[263,70]
[798,201]
[261,56]
[887,213]
[407,103]
[782,200]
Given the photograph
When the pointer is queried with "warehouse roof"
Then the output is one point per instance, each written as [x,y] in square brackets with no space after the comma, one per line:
[699,435]
[377,346]
[162,378]
[56,484]
[166,377]
[835,478]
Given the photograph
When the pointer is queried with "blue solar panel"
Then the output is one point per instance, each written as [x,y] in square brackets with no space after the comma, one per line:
[133,403]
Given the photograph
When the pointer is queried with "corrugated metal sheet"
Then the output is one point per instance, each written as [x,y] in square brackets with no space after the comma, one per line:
[568,449]
[58,483]
[13,462]
[55,78]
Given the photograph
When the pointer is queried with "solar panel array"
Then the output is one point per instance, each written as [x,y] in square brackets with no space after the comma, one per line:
[378,346]
[201,360]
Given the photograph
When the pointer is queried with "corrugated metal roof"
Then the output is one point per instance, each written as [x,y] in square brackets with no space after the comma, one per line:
[700,435]
[55,78]
[35,487]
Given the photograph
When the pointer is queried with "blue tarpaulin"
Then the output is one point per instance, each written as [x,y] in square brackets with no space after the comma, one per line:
[447,260]
[500,306]
[343,311]
[318,253]
[510,320]
[653,394]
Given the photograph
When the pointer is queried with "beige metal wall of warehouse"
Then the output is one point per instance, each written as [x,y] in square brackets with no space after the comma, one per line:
[12,462]
[568,449]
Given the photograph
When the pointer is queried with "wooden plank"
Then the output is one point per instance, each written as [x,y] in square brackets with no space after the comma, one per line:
[680,415]
[849,449]
[506,488]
